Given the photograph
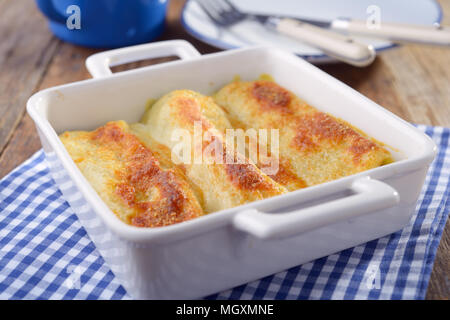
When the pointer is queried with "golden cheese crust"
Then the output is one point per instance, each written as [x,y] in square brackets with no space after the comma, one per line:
[135,179]
[314,146]
[224,184]
[135,172]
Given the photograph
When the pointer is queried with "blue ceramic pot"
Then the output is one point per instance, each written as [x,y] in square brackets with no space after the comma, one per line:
[105,23]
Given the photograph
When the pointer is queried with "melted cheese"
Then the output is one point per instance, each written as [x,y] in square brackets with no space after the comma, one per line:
[225,184]
[314,146]
[134,171]
[134,177]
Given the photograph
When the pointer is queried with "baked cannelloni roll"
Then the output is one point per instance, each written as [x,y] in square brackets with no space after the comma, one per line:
[192,126]
[314,147]
[133,176]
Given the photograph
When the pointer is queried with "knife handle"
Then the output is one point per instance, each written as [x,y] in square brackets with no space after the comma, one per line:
[396,32]
[331,43]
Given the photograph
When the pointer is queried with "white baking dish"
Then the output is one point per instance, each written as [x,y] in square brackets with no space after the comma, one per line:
[224,249]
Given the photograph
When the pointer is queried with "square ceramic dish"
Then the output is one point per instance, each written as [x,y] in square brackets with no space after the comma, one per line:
[231,247]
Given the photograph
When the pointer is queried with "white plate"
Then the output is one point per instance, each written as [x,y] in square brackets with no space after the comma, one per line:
[246,33]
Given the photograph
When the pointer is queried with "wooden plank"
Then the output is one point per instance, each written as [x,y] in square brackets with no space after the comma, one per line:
[67,66]
[374,81]
[421,82]
[439,285]
[25,52]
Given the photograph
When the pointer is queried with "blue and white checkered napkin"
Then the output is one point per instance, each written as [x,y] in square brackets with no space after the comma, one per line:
[46,254]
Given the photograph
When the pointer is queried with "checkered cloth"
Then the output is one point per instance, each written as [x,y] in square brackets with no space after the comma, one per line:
[46,254]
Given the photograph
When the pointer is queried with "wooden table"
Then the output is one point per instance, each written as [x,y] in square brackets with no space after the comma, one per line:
[411,81]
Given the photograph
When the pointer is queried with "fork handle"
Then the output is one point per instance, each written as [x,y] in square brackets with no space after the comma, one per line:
[333,44]
[397,32]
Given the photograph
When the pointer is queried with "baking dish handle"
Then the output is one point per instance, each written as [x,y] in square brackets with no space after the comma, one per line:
[99,64]
[367,196]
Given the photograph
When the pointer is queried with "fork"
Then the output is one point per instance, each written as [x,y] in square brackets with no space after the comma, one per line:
[224,14]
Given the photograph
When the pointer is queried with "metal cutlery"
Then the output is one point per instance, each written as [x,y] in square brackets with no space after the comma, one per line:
[395,32]
[338,46]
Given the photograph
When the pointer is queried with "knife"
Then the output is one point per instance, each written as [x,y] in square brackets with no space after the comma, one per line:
[333,44]
[224,14]
[394,32]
